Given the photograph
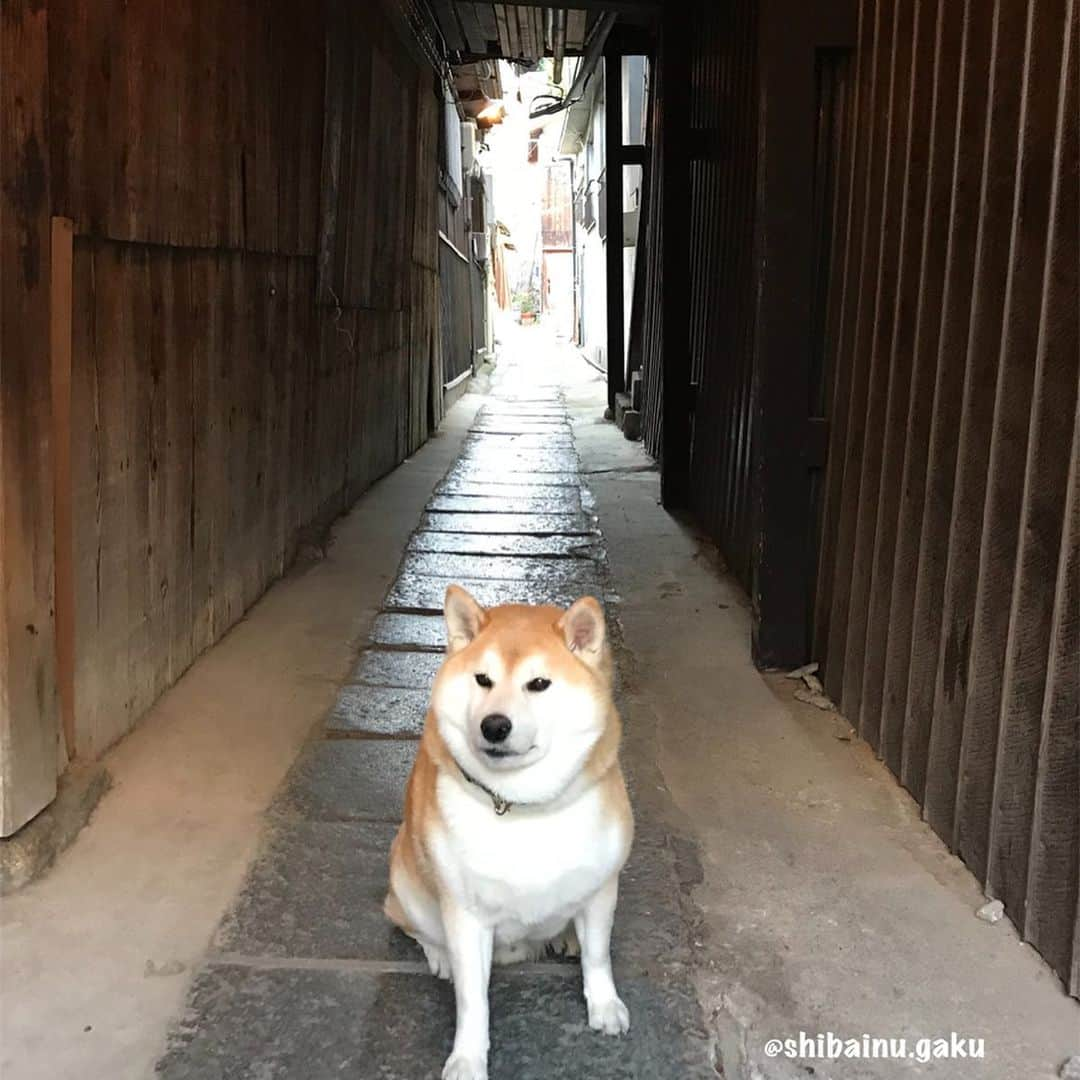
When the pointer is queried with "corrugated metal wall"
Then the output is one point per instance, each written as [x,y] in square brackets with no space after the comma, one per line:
[948,594]
[456,311]
[723,115]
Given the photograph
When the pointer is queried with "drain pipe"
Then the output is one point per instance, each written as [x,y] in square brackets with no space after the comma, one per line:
[558,45]
[594,51]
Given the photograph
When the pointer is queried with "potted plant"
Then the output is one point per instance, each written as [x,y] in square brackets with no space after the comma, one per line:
[527,307]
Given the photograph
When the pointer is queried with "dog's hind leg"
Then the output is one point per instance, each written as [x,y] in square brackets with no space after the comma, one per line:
[518,953]
[438,961]
[565,943]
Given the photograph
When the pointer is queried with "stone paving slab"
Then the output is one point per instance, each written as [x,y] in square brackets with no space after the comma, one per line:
[377,667]
[554,500]
[519,425]
[497,442]
[379,710]
[398,628]
[316,890]
[500,567]
[320,984]
[317,1024]
[473,472]
[580,547]
[491,489]
[537,413]
[648,922]
[524,460]
[518,524]
[417,592]
[348,779]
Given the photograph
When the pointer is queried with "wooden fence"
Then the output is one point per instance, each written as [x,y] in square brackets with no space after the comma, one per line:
[249,290]
[948,598]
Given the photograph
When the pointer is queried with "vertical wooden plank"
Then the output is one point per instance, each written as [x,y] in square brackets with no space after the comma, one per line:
[1029,466]
[881,314]
[948,63]
[103,622]
[86,475]
[336,137]
[60,340]
[844,468]
[969,176]
[159,529]
[1052,907]
[178,480]
[995,270]
[138,530]
[205,466]
[504,31]
[29,711]
[904,299]
[846,273]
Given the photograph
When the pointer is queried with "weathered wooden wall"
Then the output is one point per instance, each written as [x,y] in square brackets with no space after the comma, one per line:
[254,318]
[948,595]
[29,707]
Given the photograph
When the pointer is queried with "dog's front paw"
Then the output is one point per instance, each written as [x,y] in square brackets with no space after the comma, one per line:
[610,1016]
[462,1067]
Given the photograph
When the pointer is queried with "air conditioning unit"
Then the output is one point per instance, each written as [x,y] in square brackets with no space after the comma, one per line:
[468,146]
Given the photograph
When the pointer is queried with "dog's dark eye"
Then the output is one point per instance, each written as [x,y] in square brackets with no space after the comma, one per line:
[537,685]
[483,680]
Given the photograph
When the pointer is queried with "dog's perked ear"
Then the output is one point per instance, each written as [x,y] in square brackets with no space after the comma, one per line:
[583,628]
[465,618]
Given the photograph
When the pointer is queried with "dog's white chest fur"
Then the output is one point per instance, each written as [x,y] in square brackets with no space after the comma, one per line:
[527,872]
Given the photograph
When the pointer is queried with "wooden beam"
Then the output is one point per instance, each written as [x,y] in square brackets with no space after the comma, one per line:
[28,701]
[674,104]
[575,29]
[613,252]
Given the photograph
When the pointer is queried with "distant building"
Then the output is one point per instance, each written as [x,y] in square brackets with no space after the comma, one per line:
[582,140]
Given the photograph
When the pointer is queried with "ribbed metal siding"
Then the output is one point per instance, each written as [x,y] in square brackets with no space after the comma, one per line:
[724,112]
[456,311]
[947,602]
[647,313]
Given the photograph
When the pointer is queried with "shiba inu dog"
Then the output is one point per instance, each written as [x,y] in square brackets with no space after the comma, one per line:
[517,821]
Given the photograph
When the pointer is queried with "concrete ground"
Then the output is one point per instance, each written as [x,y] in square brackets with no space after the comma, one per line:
[781,881]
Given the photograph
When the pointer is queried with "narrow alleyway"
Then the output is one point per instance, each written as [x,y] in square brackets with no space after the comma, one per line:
[781,881]
[305,977]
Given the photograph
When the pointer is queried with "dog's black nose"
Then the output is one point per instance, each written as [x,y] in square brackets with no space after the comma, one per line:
[495,727]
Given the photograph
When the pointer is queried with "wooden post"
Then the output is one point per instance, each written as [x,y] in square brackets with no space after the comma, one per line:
[28,700]
[789,34]
[613,171]
[675,258]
